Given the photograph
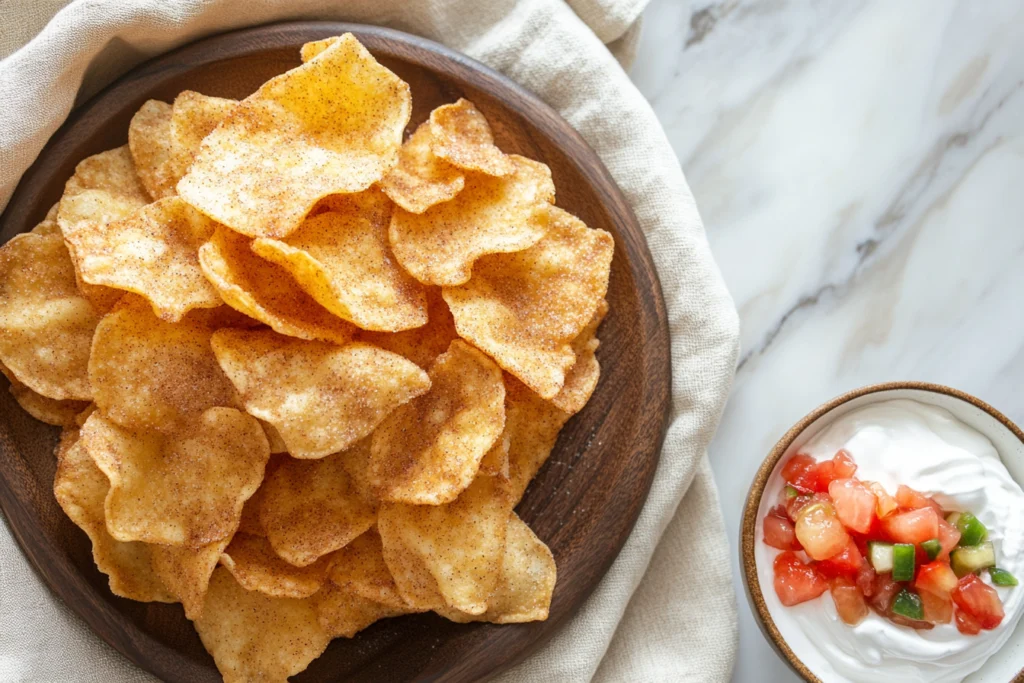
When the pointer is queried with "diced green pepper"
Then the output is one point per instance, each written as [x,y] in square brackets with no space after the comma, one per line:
[903,556]
[1001,577]
[880,556]
[972,531]
[791,493]
[970,559]
[932,548]
[953,517]
[908,605]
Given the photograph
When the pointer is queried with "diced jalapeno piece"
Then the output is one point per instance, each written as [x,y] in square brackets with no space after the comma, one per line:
[973,558]
[880,556]
[791,493]
[1001,577]
[932,547]
[903,556]
[908,605]
[972,531]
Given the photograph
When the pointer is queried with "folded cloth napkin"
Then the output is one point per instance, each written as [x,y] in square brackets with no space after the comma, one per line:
[665,611]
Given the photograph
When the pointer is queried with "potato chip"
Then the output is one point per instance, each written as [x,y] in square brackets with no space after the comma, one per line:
[343,613]
[461,136]
[320,397]
[185,488]
[81,488]
[193,117]
[448,554]
[46,325]
[343,260]
[311,508]
[331,126]
[149,139]
[359,567]
[421,179]
[277,444]
[315,47]
[527,581]
[254,637]
[421,345]
[250,522]
[154,253]
[532,426]
[150,374]
[48,410]
[525,309]
[265,291]
[186,572]
[581,379]
[49,226]
[256,567]
[489,216]
[495,461]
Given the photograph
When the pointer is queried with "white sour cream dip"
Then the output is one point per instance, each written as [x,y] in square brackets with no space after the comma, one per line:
[926,448]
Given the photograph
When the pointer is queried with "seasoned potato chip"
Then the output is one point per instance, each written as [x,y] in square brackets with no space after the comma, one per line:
[428,451]
[448,554]
[527,581]
[495,461]
[525,309]
[149,139]
[489,216]
[359,567]
[150,374]
[581,380]
[265,291]
[461,136]
[256,567]
[331,126]
[254,637]
[421,179]
[531,426]
[320,397]
[250,523]
[311,508]
[277,444]
[193,117]
[49,226]
[48,410]
[343,613]
[343,260]
[81,488]
[46,325]
[154,253]
[315,47]
[186,488]
[186,572]
[421,345]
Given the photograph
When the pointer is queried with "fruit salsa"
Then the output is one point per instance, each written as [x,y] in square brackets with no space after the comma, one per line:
[897,553]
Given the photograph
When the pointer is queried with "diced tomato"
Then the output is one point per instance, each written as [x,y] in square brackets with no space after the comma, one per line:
[796,582]
[912,623]
[949,536]
[980,600]
[967,624]
[799,472]
[885,589]
[915,526]
[795,505]
[909,499]
[820,532]
[936,578]
[778,530]
[845,464]
[937,610]
[849,601]
[846,563]
[885,504]
[841,466]
[866,579]
[854,503]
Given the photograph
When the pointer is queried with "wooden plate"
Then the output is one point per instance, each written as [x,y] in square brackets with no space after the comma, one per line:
[583,503]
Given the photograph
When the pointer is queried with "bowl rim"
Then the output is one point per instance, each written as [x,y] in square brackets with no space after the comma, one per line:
[748,522]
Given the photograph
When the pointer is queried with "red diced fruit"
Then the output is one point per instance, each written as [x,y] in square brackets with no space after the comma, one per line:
[846,563]
[979,600]
[820,532]
[841,466]
[854,503]
[795,505]
[936,578]
[937,610]
[778,530]
[866,579]
[885,504]
[948,537]
[800,472]
[909,499]
[967,624]
[912,623]
[885,589]
[796,582]
[849,601]
[915,526]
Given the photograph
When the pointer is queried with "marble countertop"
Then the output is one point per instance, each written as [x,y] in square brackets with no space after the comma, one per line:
[858,168]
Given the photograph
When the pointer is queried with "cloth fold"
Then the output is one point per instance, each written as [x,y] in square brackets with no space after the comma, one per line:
[665,611]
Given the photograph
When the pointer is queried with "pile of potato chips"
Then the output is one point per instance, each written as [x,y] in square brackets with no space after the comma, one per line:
[305,371]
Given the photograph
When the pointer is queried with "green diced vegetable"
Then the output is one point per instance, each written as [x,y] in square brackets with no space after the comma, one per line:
[970,559]
[932,547]
[1001,577]
[972,531]
[908,605]
[953,518]
[791,493]
[903,556]
[880,556]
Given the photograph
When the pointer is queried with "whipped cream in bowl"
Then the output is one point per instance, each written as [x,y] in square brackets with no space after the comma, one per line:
[944,444]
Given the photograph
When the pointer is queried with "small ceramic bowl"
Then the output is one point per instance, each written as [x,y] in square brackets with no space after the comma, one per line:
[1006,663]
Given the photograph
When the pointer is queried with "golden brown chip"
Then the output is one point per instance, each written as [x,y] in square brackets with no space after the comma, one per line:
[45,409]
[149,139]
[428,451]
[461,136]
[320,397]
[423,344]
[343,613]
[489,216]
[256,567]
[184,488]
[150,374]
[266,292]
[448,554]
[250,523]
[531,425]
[46,325]
[331,126]
[49,226]
[186,572]
[315,47]
[495,461]
[525,309]
[254,637]
[154,253]
[343,260]
[527,581]
[359,568]
[81,488]
[312,507]
[277,444]
[581,380]
[421,179]
[193,117]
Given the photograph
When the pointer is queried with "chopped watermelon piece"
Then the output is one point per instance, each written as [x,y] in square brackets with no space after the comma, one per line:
[846,563]
[800,472]
[937,610]
[820,532]
[841,466]
[936,578]
[854,503]
[915,526]
[778,530]
[796,582]
[866,579]
[980,600]
[967,624]
[850,603]
[909,499]
[885,589]
[949,537]
[885,504]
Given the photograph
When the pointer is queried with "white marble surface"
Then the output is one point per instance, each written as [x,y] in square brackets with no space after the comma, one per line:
[859,168]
